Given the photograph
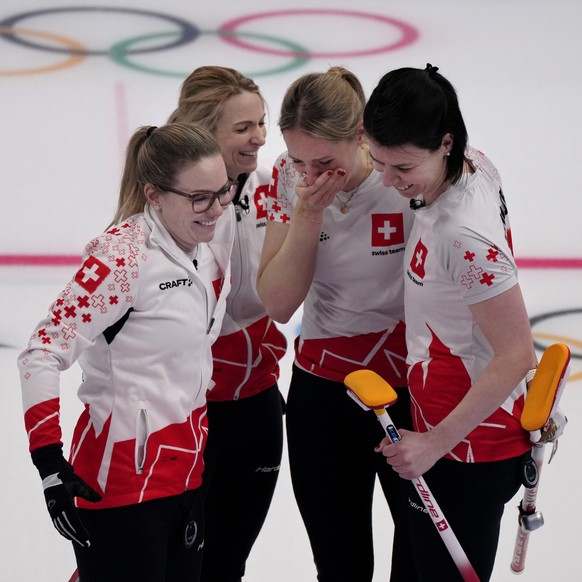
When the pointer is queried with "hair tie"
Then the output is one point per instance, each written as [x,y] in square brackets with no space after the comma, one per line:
[151,130]
[431,70]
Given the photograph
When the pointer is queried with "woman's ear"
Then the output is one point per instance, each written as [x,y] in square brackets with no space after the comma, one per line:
[151,195]
[447,142]
[360,134]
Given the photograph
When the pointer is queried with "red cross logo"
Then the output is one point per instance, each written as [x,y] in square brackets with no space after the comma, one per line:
[260,200]
[83,301]
[492,255]
[419,259]
[70,311]
[487,279]
[387,230]
[92,274]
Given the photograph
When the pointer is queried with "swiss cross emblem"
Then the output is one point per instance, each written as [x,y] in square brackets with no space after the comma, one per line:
[419,259]
[92,274]
[260,199]
[387,230]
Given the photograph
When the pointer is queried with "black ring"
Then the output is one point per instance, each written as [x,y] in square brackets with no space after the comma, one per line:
[539,318]
[189,31]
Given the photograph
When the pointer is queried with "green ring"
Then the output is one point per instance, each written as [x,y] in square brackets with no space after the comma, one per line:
[119,53]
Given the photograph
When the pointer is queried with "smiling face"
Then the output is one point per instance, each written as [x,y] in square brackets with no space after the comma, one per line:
[185,226]
[413,171]
[312,156]
[241,132]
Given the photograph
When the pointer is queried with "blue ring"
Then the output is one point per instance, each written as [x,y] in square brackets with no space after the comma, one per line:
[189,31]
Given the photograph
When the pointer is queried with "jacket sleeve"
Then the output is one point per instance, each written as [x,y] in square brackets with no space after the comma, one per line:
[281,196]
[100,293]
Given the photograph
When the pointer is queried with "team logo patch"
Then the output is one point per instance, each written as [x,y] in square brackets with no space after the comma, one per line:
[260,200]
[419,259]
[190,534]
[92,274]
[387,230]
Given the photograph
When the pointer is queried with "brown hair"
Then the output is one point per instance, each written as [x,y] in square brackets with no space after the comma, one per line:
[156,155]
[326,105]
[204,93]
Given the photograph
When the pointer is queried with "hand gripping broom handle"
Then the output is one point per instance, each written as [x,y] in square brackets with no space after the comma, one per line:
[542,399]
[374,393]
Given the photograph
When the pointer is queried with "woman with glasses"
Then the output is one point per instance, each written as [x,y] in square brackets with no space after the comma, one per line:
[139,316]
[335,242]
[245,405]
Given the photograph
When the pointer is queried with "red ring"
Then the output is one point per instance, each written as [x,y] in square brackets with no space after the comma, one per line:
[409,33]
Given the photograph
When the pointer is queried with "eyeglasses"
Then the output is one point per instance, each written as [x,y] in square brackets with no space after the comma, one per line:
[203,200]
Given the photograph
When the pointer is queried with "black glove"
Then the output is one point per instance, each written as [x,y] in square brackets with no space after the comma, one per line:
[60,486]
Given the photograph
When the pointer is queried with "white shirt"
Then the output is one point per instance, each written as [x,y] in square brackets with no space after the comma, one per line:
[459,254]
[353,313]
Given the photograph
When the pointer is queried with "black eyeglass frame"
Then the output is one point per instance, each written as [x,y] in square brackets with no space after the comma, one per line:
[229,188]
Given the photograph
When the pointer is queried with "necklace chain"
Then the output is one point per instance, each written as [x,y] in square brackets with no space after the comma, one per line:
[345,204]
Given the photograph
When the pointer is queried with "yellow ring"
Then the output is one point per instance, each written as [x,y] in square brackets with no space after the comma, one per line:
[68,42]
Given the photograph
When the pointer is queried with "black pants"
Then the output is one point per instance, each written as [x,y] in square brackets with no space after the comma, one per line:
[472,497]
[242,459]
[157,541]
[333,469]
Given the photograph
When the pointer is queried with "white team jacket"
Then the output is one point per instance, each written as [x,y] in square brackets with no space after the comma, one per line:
[140,319]
[247,353]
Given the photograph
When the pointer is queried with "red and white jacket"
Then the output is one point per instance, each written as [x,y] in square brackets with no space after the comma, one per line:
[247,353]
[140,320]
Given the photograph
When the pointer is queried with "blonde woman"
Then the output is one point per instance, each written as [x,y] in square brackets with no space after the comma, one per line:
[335,243]
[245,405]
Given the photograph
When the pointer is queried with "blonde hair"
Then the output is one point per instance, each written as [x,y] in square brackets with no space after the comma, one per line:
[205,91]
[326,105]
[156,155]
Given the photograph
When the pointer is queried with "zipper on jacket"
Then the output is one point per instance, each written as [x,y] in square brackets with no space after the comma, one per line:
[238,213]
[241,204]
[141,436]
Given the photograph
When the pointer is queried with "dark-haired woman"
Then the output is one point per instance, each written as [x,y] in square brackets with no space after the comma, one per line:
[468,334]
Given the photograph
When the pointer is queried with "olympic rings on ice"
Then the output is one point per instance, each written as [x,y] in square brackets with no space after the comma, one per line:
[408,33]
[119,54]
[123,51]
[189,31]
[542,339]
[72,60]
